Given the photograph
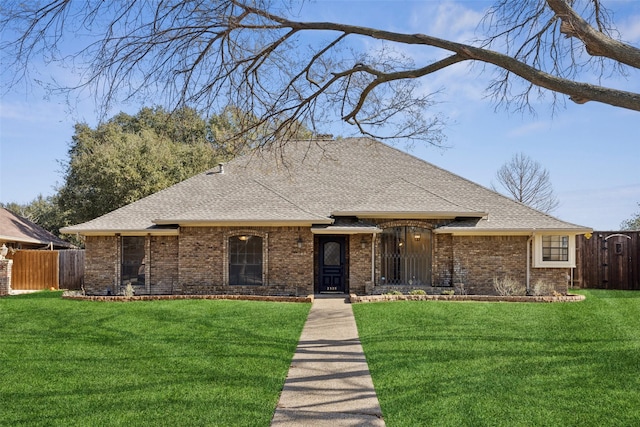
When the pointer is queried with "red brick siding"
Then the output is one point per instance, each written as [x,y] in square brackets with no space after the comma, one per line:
[6,266]
[477,260]
[359,263]
[443,264]
[163,265]
[195,262]
[101,266]
[288,269]
[558,277]
[200,259]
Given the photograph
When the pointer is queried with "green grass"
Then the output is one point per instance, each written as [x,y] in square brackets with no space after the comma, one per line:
[506,364]
[161,363]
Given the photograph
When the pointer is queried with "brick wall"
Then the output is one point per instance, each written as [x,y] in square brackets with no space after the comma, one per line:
[200,260]
[101,265]
[359,263]
[162,274]
[478,259]
[471,261]
[196,262]
[290,267]
[443,262]
[5,276]
[557,277]
[287,268]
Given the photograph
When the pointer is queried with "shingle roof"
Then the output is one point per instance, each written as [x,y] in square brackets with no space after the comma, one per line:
[311,182]
[14,228]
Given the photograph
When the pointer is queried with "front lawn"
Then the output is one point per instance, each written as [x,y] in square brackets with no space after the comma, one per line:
[506,364]
[189,362]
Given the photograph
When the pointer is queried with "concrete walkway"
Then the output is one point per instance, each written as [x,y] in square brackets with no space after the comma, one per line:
[329,383]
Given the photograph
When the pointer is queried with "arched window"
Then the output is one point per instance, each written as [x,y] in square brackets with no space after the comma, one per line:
[406,256]
[245,260]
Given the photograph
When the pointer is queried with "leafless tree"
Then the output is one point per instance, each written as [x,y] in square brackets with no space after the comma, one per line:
[528,182]
[253,55]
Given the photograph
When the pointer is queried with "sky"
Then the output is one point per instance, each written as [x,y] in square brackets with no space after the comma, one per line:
[591,151]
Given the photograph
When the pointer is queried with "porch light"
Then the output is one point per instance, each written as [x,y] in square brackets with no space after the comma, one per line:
[3,251]
[243,238]
[417,237]
[299,242]
[363,243]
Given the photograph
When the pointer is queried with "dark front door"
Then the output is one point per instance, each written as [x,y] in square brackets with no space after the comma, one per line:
[332,264]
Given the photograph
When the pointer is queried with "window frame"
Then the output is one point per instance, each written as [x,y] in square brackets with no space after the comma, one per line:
[538,258]
[141,272]
[227,256]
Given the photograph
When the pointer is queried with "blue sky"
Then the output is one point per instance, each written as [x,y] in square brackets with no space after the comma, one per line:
[591,151]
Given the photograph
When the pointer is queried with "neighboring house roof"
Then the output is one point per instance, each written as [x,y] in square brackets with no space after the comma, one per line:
[16,229]
[312,182]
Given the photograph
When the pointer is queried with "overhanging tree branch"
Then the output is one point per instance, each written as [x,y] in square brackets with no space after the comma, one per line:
[230,52]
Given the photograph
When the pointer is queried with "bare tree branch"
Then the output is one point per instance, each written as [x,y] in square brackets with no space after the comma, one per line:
[211,54]
[596,42]
[526,181]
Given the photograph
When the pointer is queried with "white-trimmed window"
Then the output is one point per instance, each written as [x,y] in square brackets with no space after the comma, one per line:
[554,250]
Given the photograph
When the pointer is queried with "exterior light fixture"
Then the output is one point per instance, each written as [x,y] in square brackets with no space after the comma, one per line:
[417,237]
[243,238]
[363,243]
[299,241]
[3,251]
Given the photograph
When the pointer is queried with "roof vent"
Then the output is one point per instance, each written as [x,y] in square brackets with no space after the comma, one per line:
[221,168]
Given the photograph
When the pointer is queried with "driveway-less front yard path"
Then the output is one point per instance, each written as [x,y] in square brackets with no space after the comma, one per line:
[328,382]
[506,364]
[160,363]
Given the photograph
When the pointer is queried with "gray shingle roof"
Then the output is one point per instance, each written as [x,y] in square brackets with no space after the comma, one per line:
[310,182]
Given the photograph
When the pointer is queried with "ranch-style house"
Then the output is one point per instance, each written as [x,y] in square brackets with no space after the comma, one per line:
[325,216]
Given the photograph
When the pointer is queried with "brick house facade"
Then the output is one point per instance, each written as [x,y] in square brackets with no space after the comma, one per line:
[342,216]
[194,263]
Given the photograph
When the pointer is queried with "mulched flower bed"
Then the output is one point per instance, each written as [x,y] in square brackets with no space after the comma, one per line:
[486,298]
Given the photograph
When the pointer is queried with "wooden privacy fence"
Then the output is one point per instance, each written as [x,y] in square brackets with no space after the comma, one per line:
[608,260]
[37,270]
[71,275]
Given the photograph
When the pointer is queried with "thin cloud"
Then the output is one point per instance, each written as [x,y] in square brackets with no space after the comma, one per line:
[450,20]
[630,29]
[529,128]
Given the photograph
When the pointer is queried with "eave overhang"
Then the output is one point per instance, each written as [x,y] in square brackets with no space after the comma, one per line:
[123,232]
[346,230]
[411,214]
[244,223]
[22,240]
[511,231]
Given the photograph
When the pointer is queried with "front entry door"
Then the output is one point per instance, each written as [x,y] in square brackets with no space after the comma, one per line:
[332,264]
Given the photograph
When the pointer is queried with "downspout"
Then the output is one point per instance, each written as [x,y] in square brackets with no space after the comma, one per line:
[528,280]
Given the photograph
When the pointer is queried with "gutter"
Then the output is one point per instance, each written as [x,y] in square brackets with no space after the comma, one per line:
[471,231]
